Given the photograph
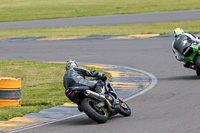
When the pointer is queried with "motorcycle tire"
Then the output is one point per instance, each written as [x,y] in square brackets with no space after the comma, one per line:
[124,110]
[99,115]
[197,63]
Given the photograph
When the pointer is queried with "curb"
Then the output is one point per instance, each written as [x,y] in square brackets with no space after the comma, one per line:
[98,37]
[128,83]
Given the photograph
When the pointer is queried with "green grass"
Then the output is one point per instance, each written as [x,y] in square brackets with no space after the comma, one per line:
[42,85]
[20,10]
[162,28]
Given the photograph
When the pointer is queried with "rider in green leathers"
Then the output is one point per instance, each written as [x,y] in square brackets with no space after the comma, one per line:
[182,42]
[190,38]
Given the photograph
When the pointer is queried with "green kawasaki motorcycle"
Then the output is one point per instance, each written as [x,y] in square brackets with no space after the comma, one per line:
[190,52]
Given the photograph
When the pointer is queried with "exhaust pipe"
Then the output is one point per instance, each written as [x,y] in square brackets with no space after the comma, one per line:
[95,95]
[98,96]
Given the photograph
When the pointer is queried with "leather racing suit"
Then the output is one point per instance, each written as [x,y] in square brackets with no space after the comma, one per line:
[178,55]
[75,76]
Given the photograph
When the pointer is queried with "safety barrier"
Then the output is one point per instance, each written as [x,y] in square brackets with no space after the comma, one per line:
[10,91]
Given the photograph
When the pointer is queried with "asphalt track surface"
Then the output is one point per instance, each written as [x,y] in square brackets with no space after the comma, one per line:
[172,106]
[108,20]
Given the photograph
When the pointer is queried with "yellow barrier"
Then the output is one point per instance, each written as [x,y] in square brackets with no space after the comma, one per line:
[10,93]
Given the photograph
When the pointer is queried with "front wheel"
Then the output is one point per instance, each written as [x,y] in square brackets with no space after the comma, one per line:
[97,114]
[125,110]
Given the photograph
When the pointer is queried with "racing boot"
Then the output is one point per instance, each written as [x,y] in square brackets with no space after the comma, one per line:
[187,64]
[99,87]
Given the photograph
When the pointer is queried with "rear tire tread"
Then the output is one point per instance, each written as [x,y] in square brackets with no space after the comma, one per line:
[92,113]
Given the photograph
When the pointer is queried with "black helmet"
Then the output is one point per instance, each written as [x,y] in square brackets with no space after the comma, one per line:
[181,43]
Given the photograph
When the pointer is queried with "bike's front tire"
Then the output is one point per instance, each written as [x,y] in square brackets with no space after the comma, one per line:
[124,110]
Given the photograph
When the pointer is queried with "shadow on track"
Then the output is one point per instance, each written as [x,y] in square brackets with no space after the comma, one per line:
[77,121]
[190,77]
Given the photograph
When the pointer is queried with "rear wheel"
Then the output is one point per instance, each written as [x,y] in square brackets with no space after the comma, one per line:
[98,114]
[197,63]
[198,72]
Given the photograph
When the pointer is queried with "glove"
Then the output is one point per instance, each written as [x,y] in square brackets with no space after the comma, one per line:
[101,75]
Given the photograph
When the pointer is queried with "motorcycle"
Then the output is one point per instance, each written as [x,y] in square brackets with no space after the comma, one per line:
[98,107]
[190,51]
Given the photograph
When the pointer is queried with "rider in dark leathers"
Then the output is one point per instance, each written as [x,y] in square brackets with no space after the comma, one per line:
[75,76]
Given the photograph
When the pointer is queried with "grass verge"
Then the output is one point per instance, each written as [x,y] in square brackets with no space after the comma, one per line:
[20,10]
[42,85]
[162,28]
